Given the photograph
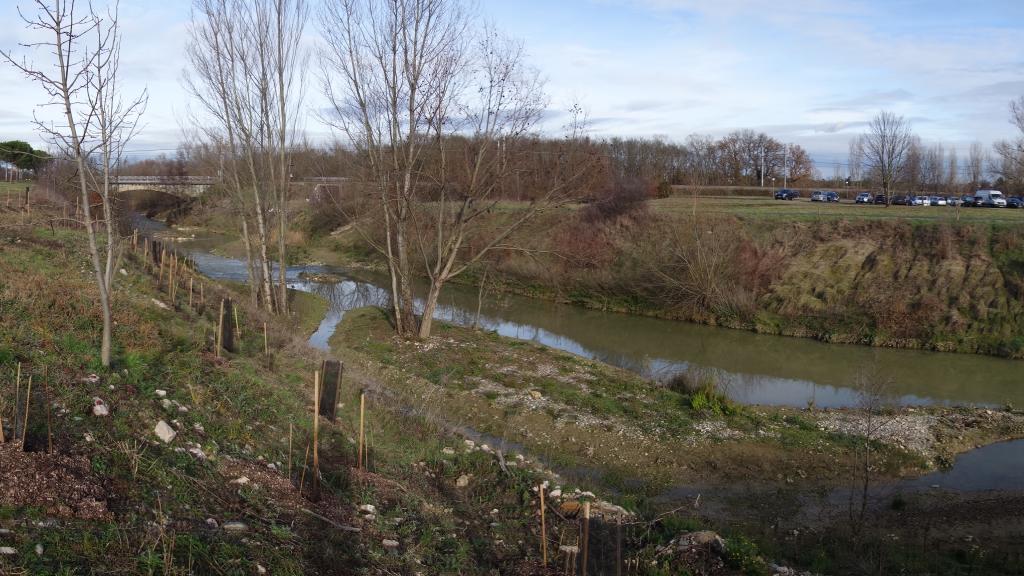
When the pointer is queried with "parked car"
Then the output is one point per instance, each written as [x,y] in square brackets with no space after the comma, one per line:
[831,196]
[954,201]
[920,201]
[818,196]
[879,198]
[863,198]
[786,194]
[937,201]
[902,200]
[967,200]
[1015,202]
[989,199]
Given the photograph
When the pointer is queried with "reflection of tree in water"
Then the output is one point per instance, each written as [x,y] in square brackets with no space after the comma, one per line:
[347,295]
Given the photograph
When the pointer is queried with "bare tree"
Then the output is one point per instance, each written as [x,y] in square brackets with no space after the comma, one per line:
[886,145]
[441,112]
[1011,152]
[247,65]
[855,163]
[96,125]
[976,164]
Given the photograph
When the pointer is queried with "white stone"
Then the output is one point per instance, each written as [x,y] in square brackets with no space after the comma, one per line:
[555,494]
[39,549]
[390,543]
[7,550]
[367,508]
[448,451]
[165,432]
[462,482]
[235,526]
[240,480]
[99,408]
[160,393]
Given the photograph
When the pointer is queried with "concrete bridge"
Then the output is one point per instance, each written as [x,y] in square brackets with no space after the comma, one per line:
[180,186]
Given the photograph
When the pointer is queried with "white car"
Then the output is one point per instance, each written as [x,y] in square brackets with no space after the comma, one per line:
[990,199]
[937,201]
[863,198]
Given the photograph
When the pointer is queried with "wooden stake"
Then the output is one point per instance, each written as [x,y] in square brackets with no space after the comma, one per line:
[316,433]
[266,344]
[543,531]
[362,433]
[289,451]
[28,404]
[49,425]
[220,326]
[238,327]
[586,536]
[305,462]
[190,279]
[17,403]
[618,546]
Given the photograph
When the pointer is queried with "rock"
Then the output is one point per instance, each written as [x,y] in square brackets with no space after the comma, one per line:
[99,407]
[462,481]
[710,539]
[260,569]
[165,432]
[370,517]
[470,444]
[555,494]
[167,405]
[160,393]
[235,526]
[448,451]
[160,304]
[88,437]
[123,272]
[390,544]
[7,550]
[39,549]
[241,480]
[90,379]
[367,509]
[536,395]
[211,523]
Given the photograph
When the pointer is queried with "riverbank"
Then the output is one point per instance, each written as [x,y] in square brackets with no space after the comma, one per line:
[611,431]
[943,280]
[216,487]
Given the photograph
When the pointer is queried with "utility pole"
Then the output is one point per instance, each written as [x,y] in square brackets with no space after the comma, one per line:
[762,166]
[785,166]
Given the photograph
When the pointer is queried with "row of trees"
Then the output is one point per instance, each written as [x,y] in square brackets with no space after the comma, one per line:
[891,156]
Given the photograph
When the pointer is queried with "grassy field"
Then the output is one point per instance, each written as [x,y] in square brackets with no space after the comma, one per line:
[802,210]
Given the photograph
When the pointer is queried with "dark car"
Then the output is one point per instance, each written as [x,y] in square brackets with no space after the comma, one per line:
[786,194]
[879,198]
[902,200]
[831,196]
[1015,202]
[967,200]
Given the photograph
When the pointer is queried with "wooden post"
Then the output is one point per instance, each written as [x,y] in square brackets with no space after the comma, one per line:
[543,531]
[266,344]
[586,536]
[227,330]
[305,462]
[28,404]
[362,434]
[17,403]
[220,328]
[289,451]
[618,545]
[316,434]
[330,382]
[135,236]
[238,327]
[190,279]
[49,424]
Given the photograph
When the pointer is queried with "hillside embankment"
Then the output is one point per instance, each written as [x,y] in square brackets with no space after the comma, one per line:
[899,277]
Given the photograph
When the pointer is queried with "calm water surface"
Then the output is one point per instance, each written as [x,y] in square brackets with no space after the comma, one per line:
[753,368]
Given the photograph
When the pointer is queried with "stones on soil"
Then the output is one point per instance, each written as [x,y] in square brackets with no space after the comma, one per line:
[99,407]
[164,432]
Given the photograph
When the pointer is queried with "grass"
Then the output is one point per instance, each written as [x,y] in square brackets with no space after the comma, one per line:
[802,210]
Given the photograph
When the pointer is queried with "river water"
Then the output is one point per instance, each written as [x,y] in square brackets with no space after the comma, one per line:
[750,368]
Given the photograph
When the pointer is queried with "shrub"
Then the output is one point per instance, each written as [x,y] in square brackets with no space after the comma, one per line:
[622,197]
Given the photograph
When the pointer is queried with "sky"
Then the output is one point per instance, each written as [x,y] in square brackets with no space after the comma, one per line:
[810,72]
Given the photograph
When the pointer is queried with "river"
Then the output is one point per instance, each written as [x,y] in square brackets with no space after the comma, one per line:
[751,368]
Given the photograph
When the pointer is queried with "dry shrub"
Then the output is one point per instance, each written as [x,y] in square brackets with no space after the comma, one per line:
[622,197]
